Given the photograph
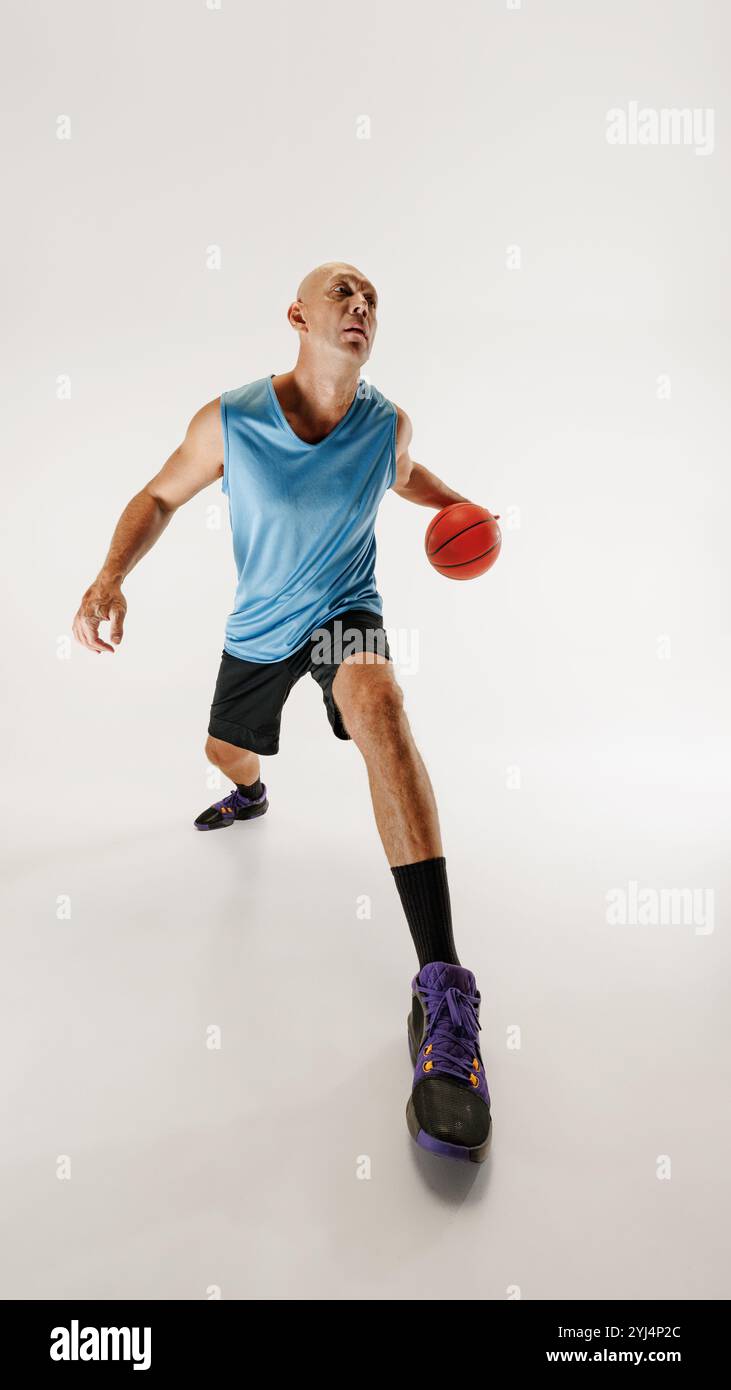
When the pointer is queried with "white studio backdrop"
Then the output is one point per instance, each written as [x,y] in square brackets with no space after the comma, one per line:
[554,318]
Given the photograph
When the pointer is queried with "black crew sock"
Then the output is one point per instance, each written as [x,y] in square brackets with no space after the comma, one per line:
[424,893]
[253,792]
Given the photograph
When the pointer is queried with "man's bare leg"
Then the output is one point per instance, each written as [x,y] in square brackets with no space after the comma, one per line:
[239,764]
[371,703]
[372,706]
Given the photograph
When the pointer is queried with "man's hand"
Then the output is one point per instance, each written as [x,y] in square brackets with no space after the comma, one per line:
[102,602]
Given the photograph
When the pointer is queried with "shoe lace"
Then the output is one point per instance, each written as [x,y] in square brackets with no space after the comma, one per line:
[228,803]
[451,1036]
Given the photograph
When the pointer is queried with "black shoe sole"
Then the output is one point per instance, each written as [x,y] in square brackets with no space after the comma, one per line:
[249,813]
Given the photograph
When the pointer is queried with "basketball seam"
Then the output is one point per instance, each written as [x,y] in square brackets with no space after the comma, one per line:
[482,522]
[461,563]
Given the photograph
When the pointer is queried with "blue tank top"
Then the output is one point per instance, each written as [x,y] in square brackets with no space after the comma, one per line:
[302,516]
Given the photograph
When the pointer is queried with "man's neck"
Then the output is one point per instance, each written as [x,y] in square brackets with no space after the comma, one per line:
[321,391]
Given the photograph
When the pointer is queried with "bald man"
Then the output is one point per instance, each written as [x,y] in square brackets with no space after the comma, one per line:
[304,459]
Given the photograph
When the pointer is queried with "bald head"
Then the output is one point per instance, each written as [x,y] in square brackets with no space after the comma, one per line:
[316,279]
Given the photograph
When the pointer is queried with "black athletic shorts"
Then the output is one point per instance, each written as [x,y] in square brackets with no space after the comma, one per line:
[249,695]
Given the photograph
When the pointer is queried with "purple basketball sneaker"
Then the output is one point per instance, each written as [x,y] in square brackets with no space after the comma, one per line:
[233,807]
[449,1107]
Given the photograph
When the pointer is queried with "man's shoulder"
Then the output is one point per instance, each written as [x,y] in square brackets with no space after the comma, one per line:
[245,398]
[371,393]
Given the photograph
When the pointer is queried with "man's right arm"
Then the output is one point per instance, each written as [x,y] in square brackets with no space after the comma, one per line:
[196,463]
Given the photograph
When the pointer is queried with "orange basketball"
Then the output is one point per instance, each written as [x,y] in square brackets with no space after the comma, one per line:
[463,540]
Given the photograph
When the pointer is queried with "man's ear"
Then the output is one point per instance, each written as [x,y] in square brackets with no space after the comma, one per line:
[296,316]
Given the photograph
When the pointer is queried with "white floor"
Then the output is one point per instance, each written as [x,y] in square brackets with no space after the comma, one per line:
[196,1169]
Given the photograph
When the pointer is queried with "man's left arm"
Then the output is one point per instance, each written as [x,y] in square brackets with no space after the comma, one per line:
[413,481]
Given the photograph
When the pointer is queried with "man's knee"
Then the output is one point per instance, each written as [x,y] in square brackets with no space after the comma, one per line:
[212,750]
[371,703]
[218,751]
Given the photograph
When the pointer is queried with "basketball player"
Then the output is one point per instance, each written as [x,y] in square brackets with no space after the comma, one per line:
[304,459]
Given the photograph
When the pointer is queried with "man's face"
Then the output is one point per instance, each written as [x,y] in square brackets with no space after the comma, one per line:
[340,311]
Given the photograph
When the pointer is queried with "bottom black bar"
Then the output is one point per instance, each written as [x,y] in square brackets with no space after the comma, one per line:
[54,1339]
